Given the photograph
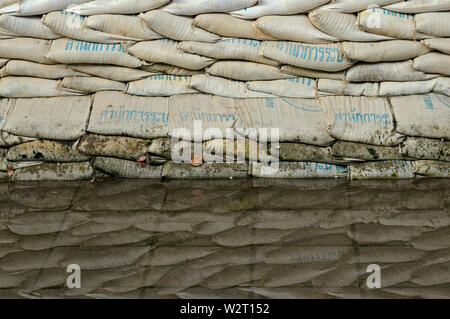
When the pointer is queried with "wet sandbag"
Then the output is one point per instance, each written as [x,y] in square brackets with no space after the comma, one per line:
[27,27]
[69,51]
[294,88]
[297,152]
[406,88]
[435,23]
[128,169]
[160,85]
[442,45]
[38,70]
[418,6]
[115,113]
[433,63]
[165,51]
[426,148]
[57,118]
[364,152]
[91,84]
[349,6]
[382,170]
[194,7]
[298,170]
[360,119]
[55,172]
[339,87]
[22,87]
[312,73]
[111,72]
[38,7]
[7,139]
[246,71]
[116,6]
[228,26]
[324,57]
[422,115]
[436,169]
[395,50]
[205,171]
[162,68]
[25,49]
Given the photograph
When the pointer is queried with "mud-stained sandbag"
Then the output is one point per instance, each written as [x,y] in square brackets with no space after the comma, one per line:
[297,152]
[339,87]
[342,26]
[435,23]
[350,6]
[55,172]
[111,72]
[25,49]
[312,73]
[177,27]
[246,71]
[358,151]
[228,49]
[274,7]
[422,115]
[56,118]
[6,165]
[38,70]
[324,57]
[46,151]
[22,87]
[428,168]
[128,169]
[425,148]
[161,85]
[127,26]
[418,6]
[294,88]
[193,7]
[27,27]
[206,171]
[69,51]
[296,28]
[38,7]
[395,50]
[433,63]
[91,84]
[299,120]
[406,88]
[360,119]
[382,170]
[161,68]
[299,170]
[229,26]
[442,86]
[117,6]
[7,139]
[165,51]
[442,45]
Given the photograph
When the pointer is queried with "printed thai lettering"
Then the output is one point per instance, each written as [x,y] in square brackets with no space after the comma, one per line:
[363,118]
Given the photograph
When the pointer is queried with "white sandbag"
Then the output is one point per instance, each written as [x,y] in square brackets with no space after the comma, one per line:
[435,23]
[312,73]
[6,34]
[25,49]
[299,120]
[277,7]
[246,71]
[116,6]
[70,51]
[161,68]
[350,6]
[176,27]
[165,51]
[111,72]
[298,170]
[223,87]
[304,88]
[3,62]
[37,70]
[395,50]
[229,26]
[418,6]
[389,23]
[161,85]
[27,27]
[228,49]
[4,3]
[55,172]
[324,57]
[433,63]
[386,71]
[341,26]
[360,119]
[91,84]
[115,113]
[128,169]
[21,87]
[442,45]
[406,88]
[127,26]
[422,115]
[194,7]
[442,86]
[292,28]
[38,7]
[56,118]
[339,87]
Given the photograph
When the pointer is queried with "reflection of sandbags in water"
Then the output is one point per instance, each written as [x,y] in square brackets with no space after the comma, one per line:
[213,170]
[379,234]
[397,273]
[297,152]
[286,275]
[91,84]
[128,169]
[425,148]
[52,240]
[92,228]
[166,256]
[55,172]
[115,238]
[343,276]
[246,236]
[111,72]
[298,170]
[432,275]
[7,237]
[433,240]
[206,293]
[428,218]
[359,151]
[420,292]
[308,254]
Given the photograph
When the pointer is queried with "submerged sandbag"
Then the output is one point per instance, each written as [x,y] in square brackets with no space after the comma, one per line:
[38,70]
[246,71]
[190,7]
[173,170]
[116,6]
[160,85]
[294,88]
[91,84]
[433,63]
[339,87]
[22,87]
[435,23]
[25,49]
[442,45]
[111,72]
[55,172]
[128,169]
[425,148]
[298,170]
[312,73]
[27,27]
[364,152]
[418,6]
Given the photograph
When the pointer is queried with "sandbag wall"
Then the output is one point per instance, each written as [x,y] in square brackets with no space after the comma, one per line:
[357,89]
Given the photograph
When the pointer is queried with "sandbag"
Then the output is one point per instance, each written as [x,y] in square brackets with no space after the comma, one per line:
[425,148]
[56,118]
[55,172]
[382,170]
[206,171]
[364,152]
[422,115]
[38,7]
[442,45]
[25,49]
[229,26]
[4,3]
[297,152]
[116,6]
[7,139]
[342,26]
[304,88]
[165,51]
[406,88]
[324,57]
[435,23]
[418,6]
[442,86]
[176,27]
[91,84]
[386,51]
[115,113]
[27,27]
[433,63]
[312,73]
[161,85]
[194,7]
[229,151]
[128,169]
[298,170]
[350,6]
[426,168]
[161,68]
[360,119]
[339,87]
[111,72]
[296,28]
[70,51]
[6,34]
[21,87]
[37,70]
[246,71]
[3,62]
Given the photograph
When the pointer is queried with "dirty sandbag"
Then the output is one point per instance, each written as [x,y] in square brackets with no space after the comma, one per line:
[228,26]
[55,172]
[292,28]
[426,148]
[394,50]
[364,152]
[38,7]
[161,68]
[350,6]
[228,49]
[418,6]
[406,88]
[25,49]
[21,87]
[6,165]
[206,171]
[57,118]
[324,57]
[434,23]
[37,70]
[111,72]
[437,169]
[298,170]
[422,115]
[339,87]
[127,26]
[433,63]
[177,27]
[194,7]
[297,152]
[7,139]
[166,51]
[312,73]
[160,85]
[442,86]
[91,84]
[342,26]
[361,119]
[27,27]
[294,88]
[128,169]
[69,51]
[382,170]
[116,6]
[442,44]
[276,7]
[115,113]
[246,71]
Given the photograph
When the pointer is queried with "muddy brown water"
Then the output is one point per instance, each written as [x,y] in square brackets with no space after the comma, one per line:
[225,239]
